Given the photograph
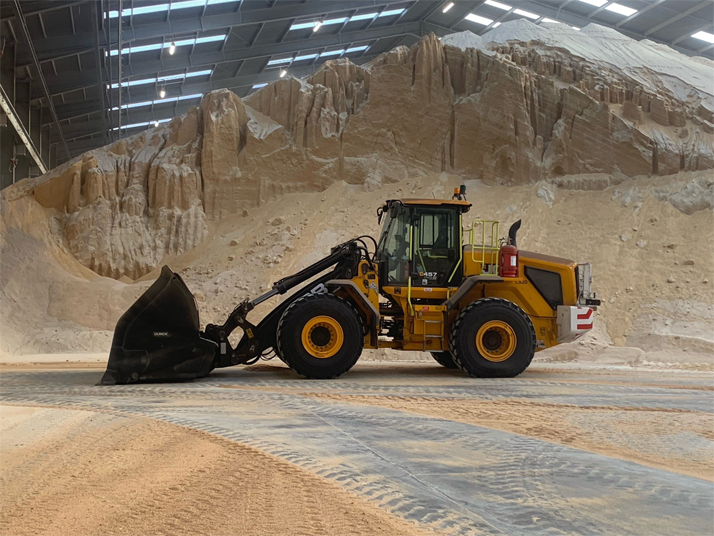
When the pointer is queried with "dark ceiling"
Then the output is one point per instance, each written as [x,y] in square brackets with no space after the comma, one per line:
[63,47]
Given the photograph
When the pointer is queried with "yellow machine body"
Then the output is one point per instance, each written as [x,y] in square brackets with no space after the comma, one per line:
[426,311]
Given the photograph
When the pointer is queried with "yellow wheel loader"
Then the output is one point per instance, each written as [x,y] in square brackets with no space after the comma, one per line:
[431,283]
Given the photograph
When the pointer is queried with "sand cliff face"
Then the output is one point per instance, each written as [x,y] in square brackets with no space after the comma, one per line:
[514,113]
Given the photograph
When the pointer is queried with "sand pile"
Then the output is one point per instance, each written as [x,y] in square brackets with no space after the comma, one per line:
[602,160]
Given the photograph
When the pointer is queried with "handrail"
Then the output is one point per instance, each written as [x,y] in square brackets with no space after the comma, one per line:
[493,246]
[409,276]
[461,253]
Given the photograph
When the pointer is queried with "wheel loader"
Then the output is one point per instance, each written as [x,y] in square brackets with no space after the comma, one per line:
[433,282]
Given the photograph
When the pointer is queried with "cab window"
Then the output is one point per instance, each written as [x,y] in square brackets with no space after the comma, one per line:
[436,246]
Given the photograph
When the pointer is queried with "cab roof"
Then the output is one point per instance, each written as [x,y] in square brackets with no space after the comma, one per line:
[465,205]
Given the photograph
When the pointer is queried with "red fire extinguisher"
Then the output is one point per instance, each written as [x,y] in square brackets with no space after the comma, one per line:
[508,261]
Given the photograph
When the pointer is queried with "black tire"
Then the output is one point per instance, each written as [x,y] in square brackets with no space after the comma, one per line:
[444,359]
[464,331]
[295,320]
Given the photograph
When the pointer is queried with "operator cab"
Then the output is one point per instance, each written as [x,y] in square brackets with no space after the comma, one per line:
[421,239]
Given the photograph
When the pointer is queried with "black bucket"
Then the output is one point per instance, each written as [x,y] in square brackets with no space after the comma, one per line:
[159,337]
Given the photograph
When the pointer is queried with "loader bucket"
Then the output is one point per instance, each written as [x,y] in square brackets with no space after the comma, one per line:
[159,338]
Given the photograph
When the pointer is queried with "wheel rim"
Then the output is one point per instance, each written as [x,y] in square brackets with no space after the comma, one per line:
[322,337]
[496,341]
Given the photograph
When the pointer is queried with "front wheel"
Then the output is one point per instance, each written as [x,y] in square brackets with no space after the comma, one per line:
[320,336]
[493,338]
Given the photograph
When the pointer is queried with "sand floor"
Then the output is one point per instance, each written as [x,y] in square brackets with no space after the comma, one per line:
[389,448]
[627,434]
[80,472]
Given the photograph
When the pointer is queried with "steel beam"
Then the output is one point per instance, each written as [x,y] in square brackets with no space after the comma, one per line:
[25,33]
[653,5]
[61,84]
[677,17]
[98,63]
[264,51]
[236,83]
[547,10]
[43,6]
[223,21]
[22,132]
[79,130]
[601,8]
[689,33]
[74,110]
[82,146]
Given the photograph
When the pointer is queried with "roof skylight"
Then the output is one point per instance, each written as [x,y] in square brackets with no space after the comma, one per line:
[363,16]
[526,14]
[163,79]
[159,46]
[159,8]
[144,124]
[499,5]
[704,36]
[478,19]
[158,101]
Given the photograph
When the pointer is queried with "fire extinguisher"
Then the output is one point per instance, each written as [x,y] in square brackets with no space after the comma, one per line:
[508,256]
[508,261]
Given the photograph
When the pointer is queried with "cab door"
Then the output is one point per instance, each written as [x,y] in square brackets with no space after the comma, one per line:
[436,247]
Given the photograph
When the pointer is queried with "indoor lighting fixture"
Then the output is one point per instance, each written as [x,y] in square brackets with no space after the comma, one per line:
[596,3]
[447,7]
[258,86]
[172,48]
[499,5]
[496,25]
[283,73]
[551,21]
[317,26]
[478,19]
[156,123]
[704,36]
[162,92]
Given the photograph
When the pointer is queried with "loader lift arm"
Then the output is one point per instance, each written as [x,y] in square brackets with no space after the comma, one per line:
[343,259]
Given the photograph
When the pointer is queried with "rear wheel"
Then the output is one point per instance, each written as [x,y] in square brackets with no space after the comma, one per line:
[320,336]
[493,338]
[444,359]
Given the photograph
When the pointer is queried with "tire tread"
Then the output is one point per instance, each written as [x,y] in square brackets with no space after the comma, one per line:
[290,361]
[461,363]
